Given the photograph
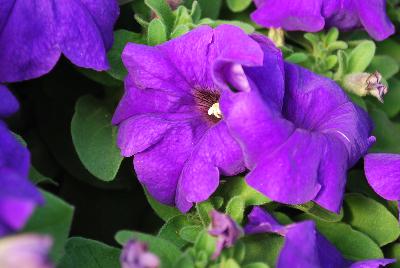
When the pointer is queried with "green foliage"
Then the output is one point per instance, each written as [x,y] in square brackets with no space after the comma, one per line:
[318,212]
[165,250]
[238,5]
[371,218]
[361,56]
[54,219]
[87,253]
[163,211]
[95,138]
[171,230]
[263,248]
[385,132]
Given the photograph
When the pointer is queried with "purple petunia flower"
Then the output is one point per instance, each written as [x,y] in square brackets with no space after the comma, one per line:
[33,34]
[299,132]
[23,251]
[169,117]
[225,229]
[136,255]
[314,15]
[383,174]
[304,246]
[18,197]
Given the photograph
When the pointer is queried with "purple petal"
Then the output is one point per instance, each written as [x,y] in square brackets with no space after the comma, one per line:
[291,15]
[372,263]
[374,19]
[383,174]
[8,103]
[261,222]
[217,152]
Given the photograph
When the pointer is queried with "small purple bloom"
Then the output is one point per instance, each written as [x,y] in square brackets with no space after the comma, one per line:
[383,174]
[25,251]
[169,118]
[136,255]
[299,132]
[225,229]
[33,34]
[314,15]
[18,197]
[304,246]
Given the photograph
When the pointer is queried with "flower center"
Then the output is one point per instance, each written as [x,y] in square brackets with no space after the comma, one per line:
[207,102]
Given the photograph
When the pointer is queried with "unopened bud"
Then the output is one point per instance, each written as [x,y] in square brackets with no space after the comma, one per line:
[363,84]
[277,35]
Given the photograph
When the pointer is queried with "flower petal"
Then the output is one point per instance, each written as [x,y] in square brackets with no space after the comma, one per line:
[383,174]
[8,103]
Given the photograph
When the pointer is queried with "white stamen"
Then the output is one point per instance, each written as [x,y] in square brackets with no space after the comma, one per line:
[215,110]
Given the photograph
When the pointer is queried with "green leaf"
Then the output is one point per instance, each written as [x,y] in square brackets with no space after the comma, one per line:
[256,265]
[331,36]
[185,261]
[103,78]
[205,243]
[297,57]
[392,99]
[190,232]
[238,5]
[385,65]
[95,138]
[54,219]
[203,210]
[229,263]
[209,8]
[163,12]
[157,33]
[318,212]
[121,38]
[386,133]
[372,218]
[179,31]
[235,208]
[163,211]
[236,186]
[248,28]
[36,177]
[81,252]
[171,229]
[264,248]
[361,56]
[165,250]
[354,245]
[393,251]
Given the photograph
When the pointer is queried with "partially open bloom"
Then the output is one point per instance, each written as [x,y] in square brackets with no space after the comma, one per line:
[299,132]
[18,197]
[25,251]
[383,174]
[225,229]
[315,15]
[33,34]
[363,84]
[304,246]
[136,255]
[169,118]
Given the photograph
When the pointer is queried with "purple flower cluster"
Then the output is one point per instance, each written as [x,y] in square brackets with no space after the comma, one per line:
[304,246]
[298,133]
[315,15]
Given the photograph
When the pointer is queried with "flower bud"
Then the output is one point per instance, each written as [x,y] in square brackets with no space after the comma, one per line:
[225,229]
[363,84]
[136,255]
[277,35]
[25,251]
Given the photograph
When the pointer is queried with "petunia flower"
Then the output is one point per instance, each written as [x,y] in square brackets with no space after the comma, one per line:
[225,229]
[25,251]
[169,118]
[383,174]
[34,34]
[18,197]
[135,254]
[304,246]
[315,15]
[300,134]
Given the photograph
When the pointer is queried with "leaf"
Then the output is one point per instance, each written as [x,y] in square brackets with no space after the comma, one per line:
[190,232]
[248,28]
[165,250]
[156,33]
[87,253]
[297,57]
[95,138]
[163,211]
[236,186]
[318,212]
[235,208]
[361,56]
[238,5]
[121,38]
[354,245]
[256,265]
[171,230]
[372,218]
[264,248]
[385,65]
[386,133]
[203,210]
[393,251]
[54,219]
[392,99]
[163,12]
[36,177]
[209,8]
